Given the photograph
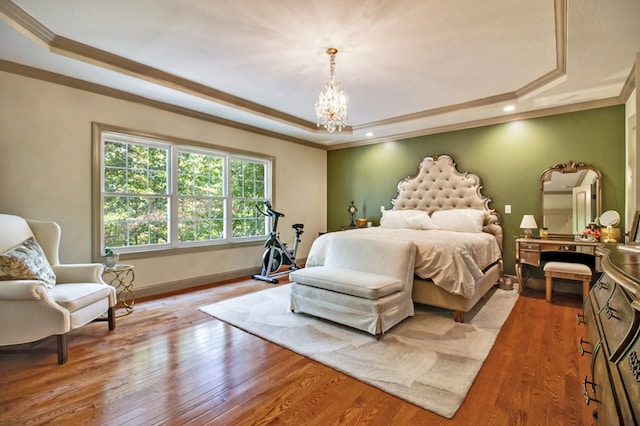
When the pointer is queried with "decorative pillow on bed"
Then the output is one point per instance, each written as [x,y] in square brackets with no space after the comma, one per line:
[422,221]
[408,219]
[459,220]
[27,261]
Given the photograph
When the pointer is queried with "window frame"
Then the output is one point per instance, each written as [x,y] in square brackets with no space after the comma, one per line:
[175,145]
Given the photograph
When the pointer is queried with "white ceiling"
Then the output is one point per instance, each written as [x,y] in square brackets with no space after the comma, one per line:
[408,67]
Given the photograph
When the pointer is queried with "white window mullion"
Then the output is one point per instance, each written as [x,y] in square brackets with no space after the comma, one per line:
[173,197]
[228,214]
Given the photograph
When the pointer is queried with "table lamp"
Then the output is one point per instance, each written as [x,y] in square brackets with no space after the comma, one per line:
[528,223]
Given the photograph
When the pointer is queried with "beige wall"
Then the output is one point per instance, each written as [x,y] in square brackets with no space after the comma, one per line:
[45,174]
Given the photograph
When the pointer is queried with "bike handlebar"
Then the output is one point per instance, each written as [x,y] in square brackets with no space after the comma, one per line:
[269,211]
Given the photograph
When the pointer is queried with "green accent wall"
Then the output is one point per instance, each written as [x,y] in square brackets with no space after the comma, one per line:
[508,158]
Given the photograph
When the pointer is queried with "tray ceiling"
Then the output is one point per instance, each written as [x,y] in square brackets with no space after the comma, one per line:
[408,68]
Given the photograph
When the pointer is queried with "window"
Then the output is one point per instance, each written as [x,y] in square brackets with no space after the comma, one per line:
[200,196]
[159,194]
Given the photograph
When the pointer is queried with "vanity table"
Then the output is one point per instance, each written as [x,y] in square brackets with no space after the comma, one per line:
[570,200]
[533,251]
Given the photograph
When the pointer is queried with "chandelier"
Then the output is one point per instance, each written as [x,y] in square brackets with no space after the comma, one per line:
[331,107]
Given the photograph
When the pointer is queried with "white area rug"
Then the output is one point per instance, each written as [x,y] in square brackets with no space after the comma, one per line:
[428,360]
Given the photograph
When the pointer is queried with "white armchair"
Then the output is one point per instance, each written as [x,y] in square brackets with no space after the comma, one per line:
[39,297]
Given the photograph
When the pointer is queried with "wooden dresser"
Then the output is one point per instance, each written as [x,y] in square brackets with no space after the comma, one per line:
[612,339]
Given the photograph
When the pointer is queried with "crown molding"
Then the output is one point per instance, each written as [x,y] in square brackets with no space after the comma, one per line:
[36,31]
[560,14]
[38,74]
[583,106]
[25,24]
[88,54]
[505,97]
[629,84]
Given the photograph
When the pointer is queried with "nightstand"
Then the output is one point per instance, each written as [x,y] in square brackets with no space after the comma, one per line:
[122,277]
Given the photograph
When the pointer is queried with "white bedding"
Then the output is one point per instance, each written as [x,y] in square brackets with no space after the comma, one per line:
[452,260]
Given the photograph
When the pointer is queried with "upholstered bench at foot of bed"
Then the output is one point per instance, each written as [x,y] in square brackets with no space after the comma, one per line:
[364,283]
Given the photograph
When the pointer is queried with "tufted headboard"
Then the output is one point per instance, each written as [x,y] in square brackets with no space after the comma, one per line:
[439,186]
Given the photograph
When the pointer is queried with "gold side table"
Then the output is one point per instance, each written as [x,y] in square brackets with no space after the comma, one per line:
[121,277]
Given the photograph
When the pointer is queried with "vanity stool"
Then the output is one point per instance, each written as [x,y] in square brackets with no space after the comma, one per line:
[567,271]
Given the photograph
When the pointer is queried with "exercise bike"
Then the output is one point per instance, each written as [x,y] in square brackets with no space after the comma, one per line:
[276,252]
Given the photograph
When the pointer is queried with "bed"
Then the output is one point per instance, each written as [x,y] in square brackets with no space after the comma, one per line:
[458,237]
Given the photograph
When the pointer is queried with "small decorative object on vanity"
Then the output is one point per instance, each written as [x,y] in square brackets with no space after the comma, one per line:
[591,233]
[110,257]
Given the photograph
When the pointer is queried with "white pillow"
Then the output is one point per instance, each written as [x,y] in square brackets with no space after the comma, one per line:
[422,222]
[459,220]
[397,219]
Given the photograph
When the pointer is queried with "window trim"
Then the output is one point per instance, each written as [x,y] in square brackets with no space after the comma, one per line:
[96,197]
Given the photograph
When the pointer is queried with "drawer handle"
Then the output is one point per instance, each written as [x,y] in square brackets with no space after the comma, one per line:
[608,311]
[581,348]
[580,318]
[634,364]
[585,391]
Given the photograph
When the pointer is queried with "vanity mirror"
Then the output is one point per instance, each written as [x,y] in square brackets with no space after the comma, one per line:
[570,198]
[608,222]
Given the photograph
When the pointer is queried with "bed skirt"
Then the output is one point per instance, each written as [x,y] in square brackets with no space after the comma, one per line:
[427,293]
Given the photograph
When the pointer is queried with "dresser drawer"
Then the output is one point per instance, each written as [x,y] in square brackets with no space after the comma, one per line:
[619,323]
[601,290]
[593,334]
[530,257]
[601,390]
[530,246]
[629,368]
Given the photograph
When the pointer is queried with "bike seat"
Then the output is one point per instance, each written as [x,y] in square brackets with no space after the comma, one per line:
[298,226]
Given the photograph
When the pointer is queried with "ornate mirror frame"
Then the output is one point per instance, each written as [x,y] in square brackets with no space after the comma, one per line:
[595,195]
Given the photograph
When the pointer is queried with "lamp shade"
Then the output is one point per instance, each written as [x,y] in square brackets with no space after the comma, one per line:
[528,222]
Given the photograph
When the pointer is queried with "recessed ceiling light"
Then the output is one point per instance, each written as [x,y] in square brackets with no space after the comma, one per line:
[368,134]
[509,108]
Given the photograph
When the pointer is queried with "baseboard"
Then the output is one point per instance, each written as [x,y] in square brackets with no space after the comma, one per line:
[170,287]
[173,286]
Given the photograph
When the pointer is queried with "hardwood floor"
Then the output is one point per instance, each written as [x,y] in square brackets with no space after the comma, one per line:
[168,363]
